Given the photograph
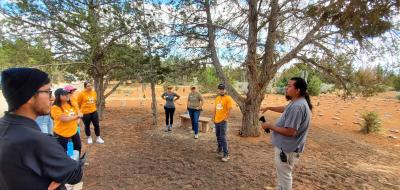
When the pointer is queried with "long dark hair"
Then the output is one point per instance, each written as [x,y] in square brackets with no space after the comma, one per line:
[58,102]
[302,85]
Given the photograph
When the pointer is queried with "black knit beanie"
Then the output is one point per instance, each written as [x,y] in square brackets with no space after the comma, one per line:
[20,84]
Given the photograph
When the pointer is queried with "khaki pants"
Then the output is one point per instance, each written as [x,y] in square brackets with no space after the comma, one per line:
[284,169]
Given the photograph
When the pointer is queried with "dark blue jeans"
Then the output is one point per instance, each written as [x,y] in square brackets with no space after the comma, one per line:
[194,117]
[220,131]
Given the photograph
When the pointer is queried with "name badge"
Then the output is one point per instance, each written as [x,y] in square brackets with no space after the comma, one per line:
[90,100]
[219,106]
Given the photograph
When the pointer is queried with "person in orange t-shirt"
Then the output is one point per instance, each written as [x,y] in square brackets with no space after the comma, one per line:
[87,105]
[223,105]
[73,96]
[65,117]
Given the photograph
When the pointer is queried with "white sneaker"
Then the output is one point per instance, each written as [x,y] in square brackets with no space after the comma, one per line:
[90,140]
[196,136]
[225,158]
[99,140]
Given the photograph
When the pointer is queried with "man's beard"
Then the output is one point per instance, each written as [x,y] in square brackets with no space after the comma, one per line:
[288,97]
[40,112]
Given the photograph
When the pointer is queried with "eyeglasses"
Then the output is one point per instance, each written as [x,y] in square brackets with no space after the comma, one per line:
[50,92]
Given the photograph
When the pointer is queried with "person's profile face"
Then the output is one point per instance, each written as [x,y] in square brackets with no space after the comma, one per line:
[42,101]
[291,91]
[64,97]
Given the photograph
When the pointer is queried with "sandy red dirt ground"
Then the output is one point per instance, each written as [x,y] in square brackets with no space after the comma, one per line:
[337,154]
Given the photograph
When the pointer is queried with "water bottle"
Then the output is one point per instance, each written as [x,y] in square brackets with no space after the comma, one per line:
[70,148]
[79,129]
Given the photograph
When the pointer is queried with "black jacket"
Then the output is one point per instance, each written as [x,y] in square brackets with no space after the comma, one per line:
[30,159]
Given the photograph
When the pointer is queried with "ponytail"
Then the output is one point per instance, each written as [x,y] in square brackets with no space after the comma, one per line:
[307,97]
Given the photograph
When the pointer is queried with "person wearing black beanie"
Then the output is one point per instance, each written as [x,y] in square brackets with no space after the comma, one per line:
[30,159]
[20,84]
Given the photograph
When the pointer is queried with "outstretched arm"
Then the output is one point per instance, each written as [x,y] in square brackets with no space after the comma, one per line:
[279,109]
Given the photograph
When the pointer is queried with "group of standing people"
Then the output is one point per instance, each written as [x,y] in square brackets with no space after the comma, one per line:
[31,159]
[37,128]
[223,105]
[289,132]
[68,111]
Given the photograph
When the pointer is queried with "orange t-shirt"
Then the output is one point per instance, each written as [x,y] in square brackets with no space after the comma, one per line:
[222,105]
[64,129]
[87,101]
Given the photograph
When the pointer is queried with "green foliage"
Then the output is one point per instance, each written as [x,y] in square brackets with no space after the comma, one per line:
[314,85]
[180,70]
[314,82]
[396,83]
[358,19]
[126,62]
[21,53]
[209,80]
[371,122]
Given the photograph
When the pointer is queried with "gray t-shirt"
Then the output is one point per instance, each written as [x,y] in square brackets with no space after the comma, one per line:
[297,115]
[194,100]
[169,99]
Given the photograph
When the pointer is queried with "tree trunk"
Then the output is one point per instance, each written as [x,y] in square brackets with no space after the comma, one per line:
[250,126]
[99,88]
[154,103]
[250,110]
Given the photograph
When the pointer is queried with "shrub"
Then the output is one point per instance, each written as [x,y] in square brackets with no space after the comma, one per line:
[314,86]
[396,83]
[371,123]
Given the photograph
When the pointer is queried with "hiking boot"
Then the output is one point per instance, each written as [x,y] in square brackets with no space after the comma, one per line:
[225,158]
[89,140]
[99,140]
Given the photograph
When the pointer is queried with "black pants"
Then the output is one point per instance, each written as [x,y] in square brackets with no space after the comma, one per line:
[76,139]
[91,118]
[169,115]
